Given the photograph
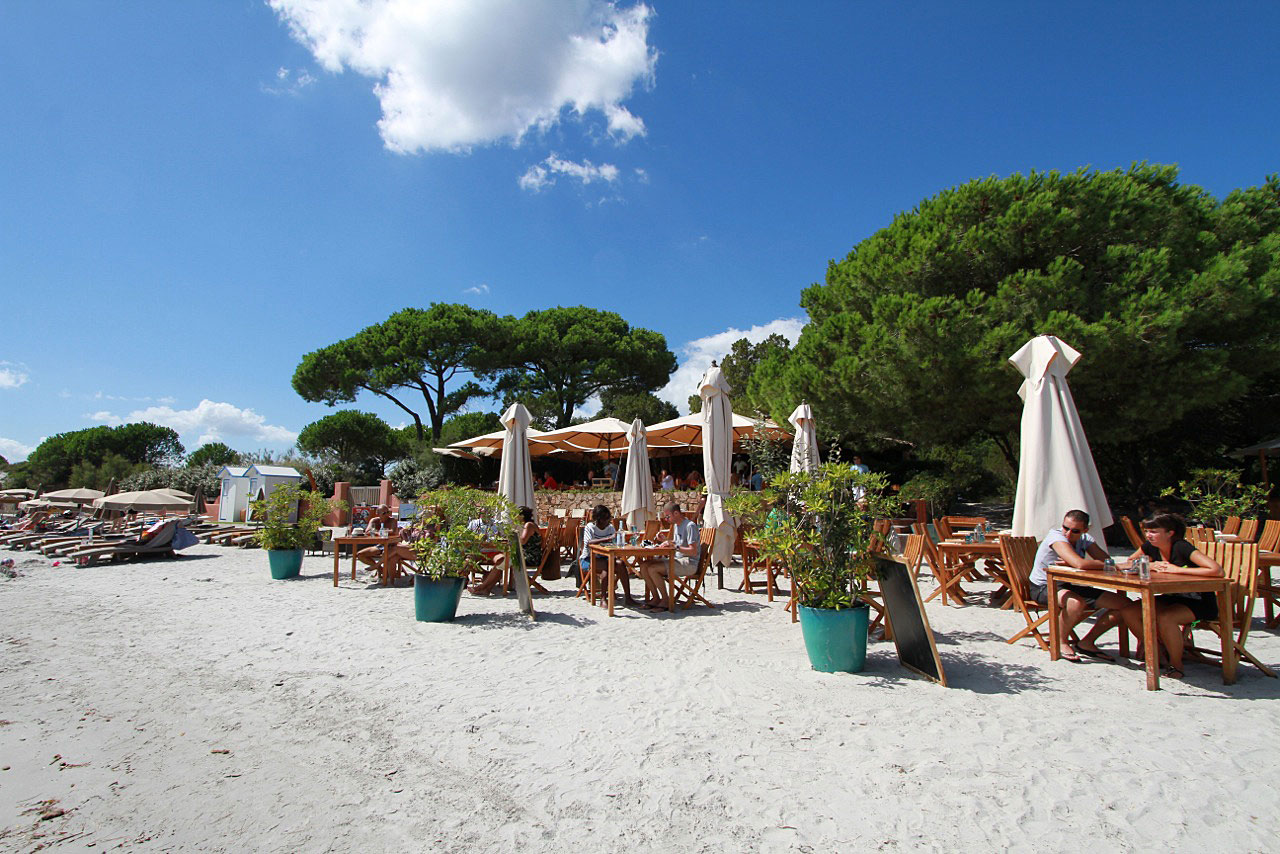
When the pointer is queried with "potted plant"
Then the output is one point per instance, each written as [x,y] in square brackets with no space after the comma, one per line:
[285,540]
[455,546]
[821,526]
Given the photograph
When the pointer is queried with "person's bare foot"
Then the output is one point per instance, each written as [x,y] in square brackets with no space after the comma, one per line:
[1069,654]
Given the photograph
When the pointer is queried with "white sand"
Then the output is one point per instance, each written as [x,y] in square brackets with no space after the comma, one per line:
[351,727]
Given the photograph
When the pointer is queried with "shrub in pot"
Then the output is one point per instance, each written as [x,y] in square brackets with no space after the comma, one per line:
[455,547]
[284,540]
[821,526]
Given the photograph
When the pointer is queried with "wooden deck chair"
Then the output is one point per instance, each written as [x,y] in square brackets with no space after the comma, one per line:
[913,553]
[947,575]
[1268,592]
[1239,563]
[963,524]
[1019,557]
[1269,539]
[1200,537]
[1232,526]
[1131,531]
[570,539]
[688,588]
[942,527]
[1248,532]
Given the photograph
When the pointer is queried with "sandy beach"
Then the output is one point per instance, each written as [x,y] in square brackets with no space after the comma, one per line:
[196,705]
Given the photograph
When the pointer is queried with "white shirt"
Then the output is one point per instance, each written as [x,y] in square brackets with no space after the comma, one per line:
[1046,556]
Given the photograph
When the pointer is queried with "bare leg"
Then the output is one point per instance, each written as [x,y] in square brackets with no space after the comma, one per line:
[1071,612]
[1169,622]
[491,578]
[1114,603]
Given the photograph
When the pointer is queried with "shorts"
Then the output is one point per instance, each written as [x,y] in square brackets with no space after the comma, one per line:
[1203,608]
[1040,593]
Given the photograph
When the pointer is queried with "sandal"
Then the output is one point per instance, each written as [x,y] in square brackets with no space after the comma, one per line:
[1172,673]
[1093,653]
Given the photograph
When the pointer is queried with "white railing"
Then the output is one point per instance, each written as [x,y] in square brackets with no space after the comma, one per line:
[365,495]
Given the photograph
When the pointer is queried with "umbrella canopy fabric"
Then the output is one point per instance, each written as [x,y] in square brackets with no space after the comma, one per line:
[804,450]
[147,500]
[490,444]
[17,493]
[456,453]
[177,493]
[43,503]
[717,459]
[638,506]
[515,475]
[1056,472]
[687,431]
[79,495]
[603,434]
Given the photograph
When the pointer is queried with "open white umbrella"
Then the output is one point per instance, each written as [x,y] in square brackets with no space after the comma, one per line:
[177,493]
[686,431]
[1056,472]
[637,488]
[804,450]
[147,500]
[717,457]
[490,444]
[79,495]
[515,475]
[601,435]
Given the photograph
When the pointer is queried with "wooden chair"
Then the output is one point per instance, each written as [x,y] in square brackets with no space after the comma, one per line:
[948,575]
[1200,537]
[550,558]
[1240,564]
[652,528]
[1248,532]
[1131,531]
[1269,539]
[1019,557]
[688,589]
[941,526]
[570,539]
[1268,592]
[913,553]
[1232,526]
[963,524]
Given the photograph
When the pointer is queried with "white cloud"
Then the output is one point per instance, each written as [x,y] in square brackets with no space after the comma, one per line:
[589,409]
[453,75]
[208,421]
[289,82]
[542,175]
[104,417]
[13,450]
[478,290]
[696,355]
[13,374]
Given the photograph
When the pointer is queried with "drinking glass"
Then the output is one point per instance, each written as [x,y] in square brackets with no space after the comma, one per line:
[1144,568]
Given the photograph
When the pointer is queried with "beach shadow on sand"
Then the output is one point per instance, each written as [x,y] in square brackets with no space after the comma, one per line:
[517,620]
[965,671]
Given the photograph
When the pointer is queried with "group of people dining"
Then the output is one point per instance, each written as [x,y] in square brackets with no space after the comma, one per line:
[1168,550]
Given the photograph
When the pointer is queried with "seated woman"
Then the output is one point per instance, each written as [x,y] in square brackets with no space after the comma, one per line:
[1169,551]
[530,544]
[600,530]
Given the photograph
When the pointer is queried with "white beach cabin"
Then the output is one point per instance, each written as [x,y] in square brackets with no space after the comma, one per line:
[263,481]
[234,500]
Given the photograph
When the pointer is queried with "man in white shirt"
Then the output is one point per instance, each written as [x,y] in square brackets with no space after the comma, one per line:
[683,534]
[1072,545]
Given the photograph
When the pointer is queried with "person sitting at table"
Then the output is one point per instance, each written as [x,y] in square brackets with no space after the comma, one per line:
[668,482]
[1072,545]
[1168,550]
[380,524]
[600,530]
[530,544]
[550,482]
[683,534]
[694,480]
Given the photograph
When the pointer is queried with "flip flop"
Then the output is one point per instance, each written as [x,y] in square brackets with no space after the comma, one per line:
[1094,653]
[1073,658]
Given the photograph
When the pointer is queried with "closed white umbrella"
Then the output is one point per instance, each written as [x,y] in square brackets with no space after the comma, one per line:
[1056,472]
[637,488]
[515,475]
[804,450]
[717,456]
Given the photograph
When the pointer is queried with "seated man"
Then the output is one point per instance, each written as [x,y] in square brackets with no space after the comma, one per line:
[1072,545]
[683,534]
[380,524]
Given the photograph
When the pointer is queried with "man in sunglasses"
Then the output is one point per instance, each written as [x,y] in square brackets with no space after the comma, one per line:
[1072,545]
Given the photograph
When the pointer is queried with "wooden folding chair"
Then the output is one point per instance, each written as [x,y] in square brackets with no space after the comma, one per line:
[1248,532]
[1232,526]
[940,525]
[549,568]
[1269,539]
[962,524]
[1019,557]
[913,553]
[652,528]
[1268,592]
[570,539]
[1131,531]
[688,588]
[948,575]
[1239,563]
[1200,537]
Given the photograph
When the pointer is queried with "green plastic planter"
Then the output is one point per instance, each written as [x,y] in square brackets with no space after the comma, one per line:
[285,563]
[436,601]
[835,640]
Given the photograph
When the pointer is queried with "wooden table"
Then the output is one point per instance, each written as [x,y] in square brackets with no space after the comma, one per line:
[955,551]
[1159,583]
[355,543]
[614,553]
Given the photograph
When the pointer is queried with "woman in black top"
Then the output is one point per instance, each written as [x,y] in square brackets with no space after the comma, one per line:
[1169,551]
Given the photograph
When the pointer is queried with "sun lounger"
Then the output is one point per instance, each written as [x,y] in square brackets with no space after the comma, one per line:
[159,543]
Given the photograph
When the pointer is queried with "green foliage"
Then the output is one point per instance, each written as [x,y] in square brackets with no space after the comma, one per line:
[1215,494]
[142,443]
[768,455]
[359,440]
[456,548]
[1171,297]
[467,425]
[555,359]
[187,478]
[816,525]
[113,467]
[416,475]
[215,454]
[739,366]
[629,405]
[937,490]
[277,532]
[414,349]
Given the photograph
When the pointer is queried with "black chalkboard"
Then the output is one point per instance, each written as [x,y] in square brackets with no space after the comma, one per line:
[906,617]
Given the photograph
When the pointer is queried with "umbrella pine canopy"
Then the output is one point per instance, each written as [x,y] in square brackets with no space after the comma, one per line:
[1056,472]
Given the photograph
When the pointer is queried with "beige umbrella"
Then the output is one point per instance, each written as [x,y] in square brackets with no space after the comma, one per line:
[80,495]
[515,475]
[717,456]
[17,493]
[456,453]
[148,500]
[601,435]
[43,503]
[804,450]
[177,493]
[490,444]
[687,431]
[637,488]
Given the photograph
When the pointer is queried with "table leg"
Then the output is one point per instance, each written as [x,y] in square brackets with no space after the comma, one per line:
[1150,643]
[337,550]
[612,583]
[768,577]
[386,565]
[1227,630]
[354,548]
[1055,642]
[671,583]
[591,577]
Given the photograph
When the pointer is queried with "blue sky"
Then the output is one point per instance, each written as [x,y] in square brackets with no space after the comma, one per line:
[196,194]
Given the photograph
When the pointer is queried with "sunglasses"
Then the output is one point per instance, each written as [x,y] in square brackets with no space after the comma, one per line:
[1073,530]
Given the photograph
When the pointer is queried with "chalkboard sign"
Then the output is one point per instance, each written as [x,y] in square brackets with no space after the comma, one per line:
[523,594]
[906,617]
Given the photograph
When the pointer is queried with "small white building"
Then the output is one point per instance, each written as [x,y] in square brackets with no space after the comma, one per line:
[263,481]
[234,500]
